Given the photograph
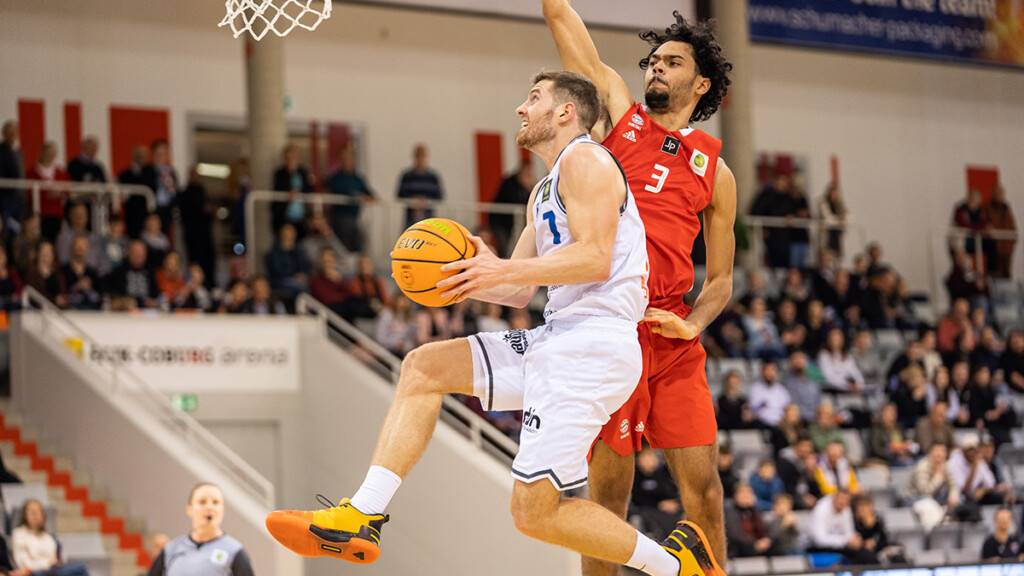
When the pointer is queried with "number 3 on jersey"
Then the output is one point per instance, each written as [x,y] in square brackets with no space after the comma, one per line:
[550,217]
[659,176]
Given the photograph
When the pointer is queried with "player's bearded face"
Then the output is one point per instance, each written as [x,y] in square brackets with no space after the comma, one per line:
[537,130]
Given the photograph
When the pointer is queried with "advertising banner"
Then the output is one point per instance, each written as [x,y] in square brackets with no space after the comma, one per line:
[197,353]
[972,31]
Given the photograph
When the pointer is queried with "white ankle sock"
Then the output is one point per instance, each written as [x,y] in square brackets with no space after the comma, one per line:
[377,490]
[650,557]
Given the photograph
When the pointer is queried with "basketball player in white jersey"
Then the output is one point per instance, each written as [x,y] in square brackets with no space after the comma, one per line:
[585,241]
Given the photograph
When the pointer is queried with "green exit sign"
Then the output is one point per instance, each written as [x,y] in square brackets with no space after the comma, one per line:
[185,402]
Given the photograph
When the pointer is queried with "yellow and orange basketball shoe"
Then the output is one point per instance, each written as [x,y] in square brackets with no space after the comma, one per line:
[338,531]
[689,545]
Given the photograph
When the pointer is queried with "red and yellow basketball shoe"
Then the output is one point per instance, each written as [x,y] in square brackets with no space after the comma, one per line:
[340,532]
[689,545]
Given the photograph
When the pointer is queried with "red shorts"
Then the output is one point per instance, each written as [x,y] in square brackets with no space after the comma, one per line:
[671,405]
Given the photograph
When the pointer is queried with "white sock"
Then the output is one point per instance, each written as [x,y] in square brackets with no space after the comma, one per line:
[650,557]
[377,490]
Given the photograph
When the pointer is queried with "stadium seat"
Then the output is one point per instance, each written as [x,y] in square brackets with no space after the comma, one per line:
[930,558]
[849,401]
[923,311]
[751,566]
[14,495]
[748,442]
[973,538]
[988,514]
[1017,474]
[901,520]
[737,364]
[964,555]
[899,478]
[854,446]
[788,564]
[911,540]
[945,537]
[873,478]
[888,339]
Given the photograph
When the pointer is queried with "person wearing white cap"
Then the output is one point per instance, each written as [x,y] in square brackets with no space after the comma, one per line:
[972,474]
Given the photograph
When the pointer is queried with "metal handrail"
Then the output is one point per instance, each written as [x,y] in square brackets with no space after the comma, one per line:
[814,226]
[190,430]
[480,430]
[113,189]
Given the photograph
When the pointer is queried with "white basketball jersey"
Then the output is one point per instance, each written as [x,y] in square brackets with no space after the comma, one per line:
[624,294]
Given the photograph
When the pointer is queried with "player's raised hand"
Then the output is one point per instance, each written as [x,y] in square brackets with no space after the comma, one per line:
[479,273]
[669,325]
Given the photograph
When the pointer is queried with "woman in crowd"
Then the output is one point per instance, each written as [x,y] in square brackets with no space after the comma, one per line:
[43,276]
[35,550]
[837,365]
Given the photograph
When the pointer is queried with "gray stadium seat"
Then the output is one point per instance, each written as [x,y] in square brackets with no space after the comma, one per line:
[14,495]
[88,549]
[923,311]
[788,564]
[973,538]
[944,537]
[751,566]
[748,442]
[1017,472]
[849,401]
[889,339]
[911,540]
[854,446]
[964,555]
[988,514]
[899,478]
[930,558]
[873,478]
[901,520]
[737,364]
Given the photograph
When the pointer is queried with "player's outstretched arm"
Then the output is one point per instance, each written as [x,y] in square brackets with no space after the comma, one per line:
[579,54]
[592,189]
[719,219]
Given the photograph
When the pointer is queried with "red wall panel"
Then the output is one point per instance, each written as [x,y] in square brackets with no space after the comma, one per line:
[134,127]
[982,179]
[488,167]
[72,129]
[32,122]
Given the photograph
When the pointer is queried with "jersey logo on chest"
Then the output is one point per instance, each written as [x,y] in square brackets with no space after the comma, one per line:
[670,145]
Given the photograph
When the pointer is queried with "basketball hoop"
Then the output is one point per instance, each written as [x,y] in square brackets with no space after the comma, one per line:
[278,16]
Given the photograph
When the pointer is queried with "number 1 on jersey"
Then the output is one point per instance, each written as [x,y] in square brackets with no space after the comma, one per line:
[550,217]
[659,178]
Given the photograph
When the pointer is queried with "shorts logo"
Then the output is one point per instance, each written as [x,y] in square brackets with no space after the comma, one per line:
[517,341]
[670,145]
[699,162]
[624,425]
[639,427]
[531,421]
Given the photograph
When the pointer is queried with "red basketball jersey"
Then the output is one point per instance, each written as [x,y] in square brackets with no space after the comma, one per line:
[672,177]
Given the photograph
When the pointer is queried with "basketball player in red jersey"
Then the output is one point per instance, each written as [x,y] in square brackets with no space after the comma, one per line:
[675,173]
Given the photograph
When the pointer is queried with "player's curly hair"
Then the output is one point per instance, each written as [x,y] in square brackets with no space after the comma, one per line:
[706,53]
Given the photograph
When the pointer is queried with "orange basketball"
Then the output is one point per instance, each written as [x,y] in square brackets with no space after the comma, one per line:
[421,251]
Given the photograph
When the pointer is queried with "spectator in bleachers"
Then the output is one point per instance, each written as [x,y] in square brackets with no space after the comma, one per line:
[745,529]
[952,324]
[796,468]
[971,216]
[77,224]
[762,336]
[804,392]
[1002,544]
[940,390]
[196,212]
[1001,218]
[113,245]
[838,366]
[197,295]
[966,282]
[44,276]
[888,442]
[824,429]
[726,473]
[879,302]
[790,429]
[234,301]
[963,349]
[911,396]
[799,237]
[832,529]
[81,280]
[348,183]
[1004,485]
[775,200]
[872,532]
[262,301]
[293,178]
[12,165]
[35,551]
[823,277]
[725,338]
[134,279]
[766,484]
[135,208]
[491,320]
[655,498]
[51,202]
[989,409]
[419,184]
[329,287]
[935,429]
[514,190]
[433,325]
[768,395]
[931,360]
[792,333]
[782,528]
[370,288]
[971,473]
[755,288]
[287,266]
[932,488]
[987,351]
[846,293]
[912,355]
[26,243]
[85,167]
[1012,362]
[960,386]
[319,237]
[875,265]
[794,289]
[732,411]
[396,326]
[833,212]
[170,281]
[160,176]
[866,357]
[238,190]
[10,285]
[817,327]
[978,321]
[157,242]
[835,471]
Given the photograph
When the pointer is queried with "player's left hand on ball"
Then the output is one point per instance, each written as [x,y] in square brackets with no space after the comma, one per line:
[483,271]
[669,325]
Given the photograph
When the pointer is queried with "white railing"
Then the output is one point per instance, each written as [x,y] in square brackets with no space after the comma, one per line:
[481,432]
[943,245]
[123,382]
[384,218]
[816,228]
[96,191]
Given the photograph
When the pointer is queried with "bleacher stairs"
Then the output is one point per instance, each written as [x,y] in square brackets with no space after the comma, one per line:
[99,531]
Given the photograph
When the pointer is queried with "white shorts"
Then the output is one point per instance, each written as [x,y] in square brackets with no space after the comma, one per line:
[568,377]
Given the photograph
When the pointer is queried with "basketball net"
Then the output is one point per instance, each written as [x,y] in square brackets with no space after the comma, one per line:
[278,16]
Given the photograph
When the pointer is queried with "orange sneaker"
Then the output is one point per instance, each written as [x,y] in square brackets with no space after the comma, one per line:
[689,545]
[338,531]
